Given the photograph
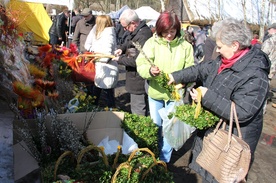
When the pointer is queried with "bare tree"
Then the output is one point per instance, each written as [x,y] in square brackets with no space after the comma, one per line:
[107,6]
[83,3]
[272,9]
[262,15]
[137,4]
[243,2]
[219,10]
[118,5]
[210,13]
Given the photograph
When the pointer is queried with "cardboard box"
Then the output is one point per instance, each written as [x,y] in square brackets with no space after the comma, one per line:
[24,163]
[107,123]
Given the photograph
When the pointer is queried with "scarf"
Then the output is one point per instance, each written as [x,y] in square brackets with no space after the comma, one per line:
[227,63]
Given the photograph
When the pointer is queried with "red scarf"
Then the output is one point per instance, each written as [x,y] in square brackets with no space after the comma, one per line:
[227,63]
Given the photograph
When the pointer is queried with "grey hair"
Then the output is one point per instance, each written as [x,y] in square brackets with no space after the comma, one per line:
[230,30]
[129,15]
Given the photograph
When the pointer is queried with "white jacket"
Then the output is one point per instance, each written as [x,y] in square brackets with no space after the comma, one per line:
[107,72]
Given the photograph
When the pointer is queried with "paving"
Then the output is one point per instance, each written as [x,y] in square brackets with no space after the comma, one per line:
[6,142]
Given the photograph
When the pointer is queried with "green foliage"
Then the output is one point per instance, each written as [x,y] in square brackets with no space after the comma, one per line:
[186,114]
[64,71]
[142,130]
[93,169]
[89,171]
[163,80]
[97,171]
[140,163]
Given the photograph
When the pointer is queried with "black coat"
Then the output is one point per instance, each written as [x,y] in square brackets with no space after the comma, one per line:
[246,83]
[59,26]
[135,84]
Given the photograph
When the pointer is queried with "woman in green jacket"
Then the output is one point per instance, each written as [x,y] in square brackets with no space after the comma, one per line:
[167,51]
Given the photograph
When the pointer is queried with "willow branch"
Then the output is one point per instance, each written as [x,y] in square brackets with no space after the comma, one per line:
[139,47]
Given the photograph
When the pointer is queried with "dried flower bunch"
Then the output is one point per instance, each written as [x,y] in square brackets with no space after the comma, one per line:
[69,138]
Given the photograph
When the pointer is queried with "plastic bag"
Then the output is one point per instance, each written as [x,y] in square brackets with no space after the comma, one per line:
[129,144]
[175,131]
[73,105]
[110,146]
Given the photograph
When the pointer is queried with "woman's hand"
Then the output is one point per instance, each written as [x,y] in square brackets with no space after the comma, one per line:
[118,52]
[203,90]
[194,93]
[154,70]
[115,58]
[171,79]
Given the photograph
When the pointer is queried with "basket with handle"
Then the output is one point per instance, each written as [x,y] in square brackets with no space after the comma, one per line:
[84,66]
[129,167]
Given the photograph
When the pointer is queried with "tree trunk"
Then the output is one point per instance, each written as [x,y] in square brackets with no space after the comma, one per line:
[262,19]
[210,13]
[243,2]
[118,5]
[137,4]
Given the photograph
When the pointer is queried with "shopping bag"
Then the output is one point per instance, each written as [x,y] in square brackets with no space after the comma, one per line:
[175,131]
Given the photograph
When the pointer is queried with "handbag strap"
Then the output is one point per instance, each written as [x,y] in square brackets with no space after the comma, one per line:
[237,120]
[233,114]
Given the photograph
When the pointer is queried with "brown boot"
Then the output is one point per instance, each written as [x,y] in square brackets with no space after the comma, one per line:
[274,105]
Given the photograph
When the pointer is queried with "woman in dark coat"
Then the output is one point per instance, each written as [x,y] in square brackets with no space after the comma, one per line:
[239,74]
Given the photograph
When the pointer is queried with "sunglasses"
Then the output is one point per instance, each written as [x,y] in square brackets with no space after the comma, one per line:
[127,26]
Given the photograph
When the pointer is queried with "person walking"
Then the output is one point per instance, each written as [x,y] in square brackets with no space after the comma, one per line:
[57,31]
[102,39]
[269,47]
[209,49]
[239,75]
[83,28]
[139,32]
[168,51]
[190,36]
[199,45]
[75,19]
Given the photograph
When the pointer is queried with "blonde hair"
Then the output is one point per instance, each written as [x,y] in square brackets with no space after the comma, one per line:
[102,21]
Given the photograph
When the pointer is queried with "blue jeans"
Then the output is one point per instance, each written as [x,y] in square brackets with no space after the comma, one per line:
[164,148]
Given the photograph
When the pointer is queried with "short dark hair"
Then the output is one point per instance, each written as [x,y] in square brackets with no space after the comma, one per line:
[166,21]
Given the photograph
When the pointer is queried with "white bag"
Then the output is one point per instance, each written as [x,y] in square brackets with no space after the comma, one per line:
[107,74]
[129,144]
[175,131]
[110,146]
